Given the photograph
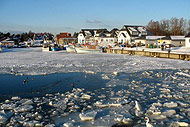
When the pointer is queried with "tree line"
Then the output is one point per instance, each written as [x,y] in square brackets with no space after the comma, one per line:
[173,26]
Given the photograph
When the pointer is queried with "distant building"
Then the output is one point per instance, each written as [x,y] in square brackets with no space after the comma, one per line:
[7,43]
[187,40]
[129,33]
[65,38]
[177,41]
[154,40]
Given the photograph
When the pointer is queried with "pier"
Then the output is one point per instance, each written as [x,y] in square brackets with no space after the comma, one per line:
[159,54]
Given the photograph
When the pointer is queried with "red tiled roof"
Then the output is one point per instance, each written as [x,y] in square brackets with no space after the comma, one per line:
[63,35]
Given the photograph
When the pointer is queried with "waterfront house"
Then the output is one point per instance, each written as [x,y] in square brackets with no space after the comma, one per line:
[7,43]
[106,38]
[64,38]
[91,35]
[187,40]
[84,35]
[129,33]
[177,41]
[153,41]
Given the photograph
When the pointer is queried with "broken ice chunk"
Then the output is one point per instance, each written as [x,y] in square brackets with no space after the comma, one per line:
[86,96]
[23,108]
[88,116]
[4,116]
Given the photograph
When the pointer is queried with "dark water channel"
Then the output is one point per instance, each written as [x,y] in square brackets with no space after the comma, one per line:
[39,85]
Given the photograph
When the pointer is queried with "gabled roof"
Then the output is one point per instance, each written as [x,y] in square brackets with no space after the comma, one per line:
[89,32]
[135,28]
[114,30]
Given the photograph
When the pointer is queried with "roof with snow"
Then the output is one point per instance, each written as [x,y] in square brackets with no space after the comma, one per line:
[154,37]
[135,31]
[178,38]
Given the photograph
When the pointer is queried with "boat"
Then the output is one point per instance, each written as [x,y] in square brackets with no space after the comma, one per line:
[50,48]
[89,49]
[70,49]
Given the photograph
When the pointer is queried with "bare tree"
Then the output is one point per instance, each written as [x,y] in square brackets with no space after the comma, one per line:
[188,26]
[164,27]
[153,27]
[174,26]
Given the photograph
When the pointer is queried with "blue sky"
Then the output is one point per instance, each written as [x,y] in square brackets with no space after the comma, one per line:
[72,15]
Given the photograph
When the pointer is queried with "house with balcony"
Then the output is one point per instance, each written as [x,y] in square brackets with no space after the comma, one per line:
[129,33]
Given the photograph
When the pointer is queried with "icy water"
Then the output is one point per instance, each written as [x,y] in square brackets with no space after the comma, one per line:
[39,85]
[163,95]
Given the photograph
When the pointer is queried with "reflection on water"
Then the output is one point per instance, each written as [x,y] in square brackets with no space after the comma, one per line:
[26,86]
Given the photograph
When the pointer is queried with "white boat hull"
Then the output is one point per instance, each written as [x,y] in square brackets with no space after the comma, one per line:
[45,49]
[86,50]
[70,49]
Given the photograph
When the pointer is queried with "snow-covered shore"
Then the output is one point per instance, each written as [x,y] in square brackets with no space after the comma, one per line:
[32,61]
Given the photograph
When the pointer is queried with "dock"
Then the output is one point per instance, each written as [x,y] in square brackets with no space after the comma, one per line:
[159,54]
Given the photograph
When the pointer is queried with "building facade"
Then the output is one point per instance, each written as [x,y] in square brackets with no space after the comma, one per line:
[129,33]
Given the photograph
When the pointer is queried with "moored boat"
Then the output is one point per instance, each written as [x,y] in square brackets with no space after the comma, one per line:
[70,49]
[86,50]
[51,47]
[89,49]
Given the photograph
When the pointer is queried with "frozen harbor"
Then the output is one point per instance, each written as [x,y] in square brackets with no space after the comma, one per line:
[110,90]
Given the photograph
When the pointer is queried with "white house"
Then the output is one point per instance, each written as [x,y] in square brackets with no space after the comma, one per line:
[178,41]
[7,43]
[187,40]
[108,38]
[129,33]
[90,35]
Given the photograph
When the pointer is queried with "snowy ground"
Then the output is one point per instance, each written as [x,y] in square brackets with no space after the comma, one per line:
[32,61]
[137,87]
